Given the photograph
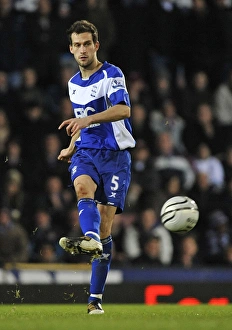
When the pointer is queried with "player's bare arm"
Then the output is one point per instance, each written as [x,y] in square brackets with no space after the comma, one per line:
[66,153]
[115,113]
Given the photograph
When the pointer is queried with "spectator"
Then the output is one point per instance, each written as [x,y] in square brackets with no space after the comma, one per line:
[141,127]
[14,158]
[13,194]
[29,91]
[184,4]
[11,160]
[139,90]
[125,237]
[6,101]
[163,91]
[47,254]
[5,131]
[50,165]
[195,93]
[44,232]
[217,238]
[169,162]
[168,120]
[150,256]
[205,129]
[145,182]
[35,125]
[207,199]
[14,243]
[26,5]
[228,256]
[225,198]
[188,253]
[227,162]
[149,224]
[55,198]
[119,257]
[205,162]
[223,107]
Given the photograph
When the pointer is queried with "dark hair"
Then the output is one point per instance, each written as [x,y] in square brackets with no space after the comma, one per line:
[81,27]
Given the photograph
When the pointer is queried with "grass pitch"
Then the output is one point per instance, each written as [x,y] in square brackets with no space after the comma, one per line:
[116,317]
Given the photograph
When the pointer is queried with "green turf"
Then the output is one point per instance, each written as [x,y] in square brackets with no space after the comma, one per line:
[116,317]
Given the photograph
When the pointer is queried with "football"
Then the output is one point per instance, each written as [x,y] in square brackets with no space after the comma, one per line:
[179,214]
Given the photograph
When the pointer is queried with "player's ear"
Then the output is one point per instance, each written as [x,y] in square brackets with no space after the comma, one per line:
[97,45]
[71,49]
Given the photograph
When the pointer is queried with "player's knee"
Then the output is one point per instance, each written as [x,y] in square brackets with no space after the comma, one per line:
[81,190]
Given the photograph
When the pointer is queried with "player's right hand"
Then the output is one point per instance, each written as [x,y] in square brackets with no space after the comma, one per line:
[65,155]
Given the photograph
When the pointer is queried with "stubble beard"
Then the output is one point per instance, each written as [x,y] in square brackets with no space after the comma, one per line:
[85,65]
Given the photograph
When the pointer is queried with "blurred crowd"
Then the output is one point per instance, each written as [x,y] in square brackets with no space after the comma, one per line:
[177,59]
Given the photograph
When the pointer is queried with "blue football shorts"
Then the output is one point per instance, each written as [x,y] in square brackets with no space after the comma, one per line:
[111,171]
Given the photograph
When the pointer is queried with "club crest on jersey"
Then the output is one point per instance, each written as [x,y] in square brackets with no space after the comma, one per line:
[94,91]
[118,83]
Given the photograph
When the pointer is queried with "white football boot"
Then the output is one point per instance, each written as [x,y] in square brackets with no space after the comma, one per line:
[95,307]
[81,245]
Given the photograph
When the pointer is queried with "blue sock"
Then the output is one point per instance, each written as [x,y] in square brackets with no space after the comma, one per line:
[100,269]
[89,217]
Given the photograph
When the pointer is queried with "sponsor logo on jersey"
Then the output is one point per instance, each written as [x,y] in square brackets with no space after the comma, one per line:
[81,113]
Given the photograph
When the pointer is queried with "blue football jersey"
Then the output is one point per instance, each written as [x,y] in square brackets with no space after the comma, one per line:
[103,89]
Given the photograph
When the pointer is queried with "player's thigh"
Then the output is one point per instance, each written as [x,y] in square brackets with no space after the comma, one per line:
[117,180]
[84,174]
[84,186]
[107,216]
